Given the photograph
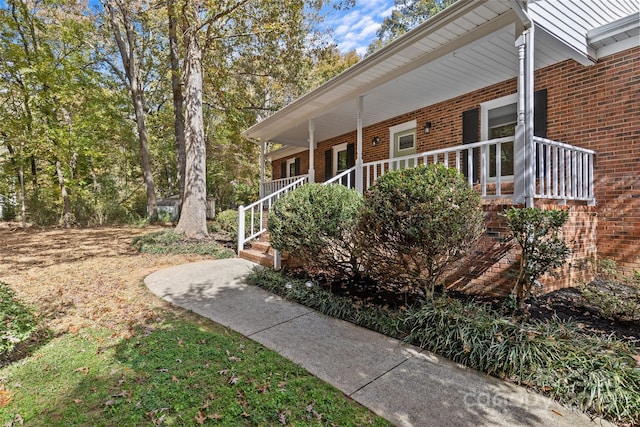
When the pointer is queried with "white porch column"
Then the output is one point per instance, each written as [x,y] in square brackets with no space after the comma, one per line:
[312,147]
[359,162]
[263,145]
[524,156]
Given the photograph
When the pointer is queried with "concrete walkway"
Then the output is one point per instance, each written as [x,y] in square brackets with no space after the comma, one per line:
[402,383]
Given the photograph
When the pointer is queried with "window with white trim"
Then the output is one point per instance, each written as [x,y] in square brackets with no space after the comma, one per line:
[291,167]
[498,120]
[340,158]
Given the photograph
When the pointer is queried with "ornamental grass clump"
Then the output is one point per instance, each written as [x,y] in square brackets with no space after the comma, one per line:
[416,222]
[315,224]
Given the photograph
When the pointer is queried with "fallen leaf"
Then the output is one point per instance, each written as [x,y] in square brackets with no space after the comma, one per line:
[245,415]
[637,358]
[224,372]
[234,359]
[83,369]
[180,342]
[282,418]
[5,398]
[174,379]
[200,418]
[233,380]
[557,412]
[77,400]
[214,416]
[109,402]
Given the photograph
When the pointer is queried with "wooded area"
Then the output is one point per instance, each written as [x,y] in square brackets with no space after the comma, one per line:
[107,107]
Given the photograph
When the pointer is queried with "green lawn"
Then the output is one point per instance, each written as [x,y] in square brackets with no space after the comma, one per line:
[183,371]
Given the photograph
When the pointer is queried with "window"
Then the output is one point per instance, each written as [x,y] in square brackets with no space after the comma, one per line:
[292,168]
[340,158]
[499,119]
[404,142]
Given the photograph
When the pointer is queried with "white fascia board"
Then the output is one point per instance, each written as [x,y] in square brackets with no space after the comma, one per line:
[288,150]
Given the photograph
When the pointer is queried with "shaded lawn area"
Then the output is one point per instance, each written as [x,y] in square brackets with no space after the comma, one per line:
[108,352]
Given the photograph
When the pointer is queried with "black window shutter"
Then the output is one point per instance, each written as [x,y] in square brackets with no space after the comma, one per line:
[470,129]
[283,169]
[351,155]
[328,166]
[297,166]
[540,113]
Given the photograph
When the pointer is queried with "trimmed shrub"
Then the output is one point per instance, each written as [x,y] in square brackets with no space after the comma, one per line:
[416,222]
[315,223]
[536,231]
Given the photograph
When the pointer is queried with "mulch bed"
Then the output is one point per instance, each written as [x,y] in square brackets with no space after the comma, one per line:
[564,304]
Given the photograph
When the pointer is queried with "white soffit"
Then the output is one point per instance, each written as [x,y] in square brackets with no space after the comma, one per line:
[616,36]
[468,46]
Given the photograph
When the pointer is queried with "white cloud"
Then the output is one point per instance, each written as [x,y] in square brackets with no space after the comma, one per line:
[356,28]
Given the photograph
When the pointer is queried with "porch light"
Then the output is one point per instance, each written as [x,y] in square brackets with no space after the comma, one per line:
[427,127]
[375,140]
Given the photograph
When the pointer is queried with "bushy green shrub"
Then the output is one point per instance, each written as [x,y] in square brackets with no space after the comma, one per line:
[537,232]
[17,323]
[315,223]
[228,221]
[416,222]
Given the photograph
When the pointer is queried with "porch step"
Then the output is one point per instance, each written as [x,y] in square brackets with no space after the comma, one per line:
[257,256]
[262,246]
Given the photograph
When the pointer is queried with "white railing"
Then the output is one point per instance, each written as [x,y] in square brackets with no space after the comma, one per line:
[563,172]
[254,213]
[270,187]
[346,178]
[470,159]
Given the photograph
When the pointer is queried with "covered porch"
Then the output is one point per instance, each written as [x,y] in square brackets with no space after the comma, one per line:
[447,84]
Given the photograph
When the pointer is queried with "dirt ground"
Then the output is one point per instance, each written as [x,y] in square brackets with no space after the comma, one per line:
[82,277]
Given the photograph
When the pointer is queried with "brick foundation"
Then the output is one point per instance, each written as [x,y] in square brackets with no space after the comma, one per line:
[491,267]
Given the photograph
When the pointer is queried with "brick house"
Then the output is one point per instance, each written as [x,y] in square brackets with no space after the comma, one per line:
[537,104]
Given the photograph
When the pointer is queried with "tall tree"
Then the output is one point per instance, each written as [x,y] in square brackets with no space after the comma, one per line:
[254,50]
[121,18]
[178,100]
[406,15]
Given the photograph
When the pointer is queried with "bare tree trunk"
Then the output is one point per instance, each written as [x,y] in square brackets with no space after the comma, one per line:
[193,219]
[20,173]
[66,201]
[135,90]
[177,101]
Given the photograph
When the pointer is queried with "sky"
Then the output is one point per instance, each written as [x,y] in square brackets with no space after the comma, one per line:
[356,28]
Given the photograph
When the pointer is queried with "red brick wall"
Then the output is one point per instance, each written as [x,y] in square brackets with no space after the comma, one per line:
[492,266]
[596,107]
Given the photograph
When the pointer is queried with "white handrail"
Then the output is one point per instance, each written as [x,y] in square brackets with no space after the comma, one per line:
[256,212]
[338,178]
[270,187]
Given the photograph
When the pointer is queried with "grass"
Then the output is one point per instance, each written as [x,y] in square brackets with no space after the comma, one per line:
[181,371]
[599,375]
[170,242]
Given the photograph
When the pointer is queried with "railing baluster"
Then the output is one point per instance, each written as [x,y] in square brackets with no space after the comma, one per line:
[484,161]
[547,170]
[498,169]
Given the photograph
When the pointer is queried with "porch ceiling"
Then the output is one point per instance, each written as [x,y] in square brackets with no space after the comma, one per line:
[467,47]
